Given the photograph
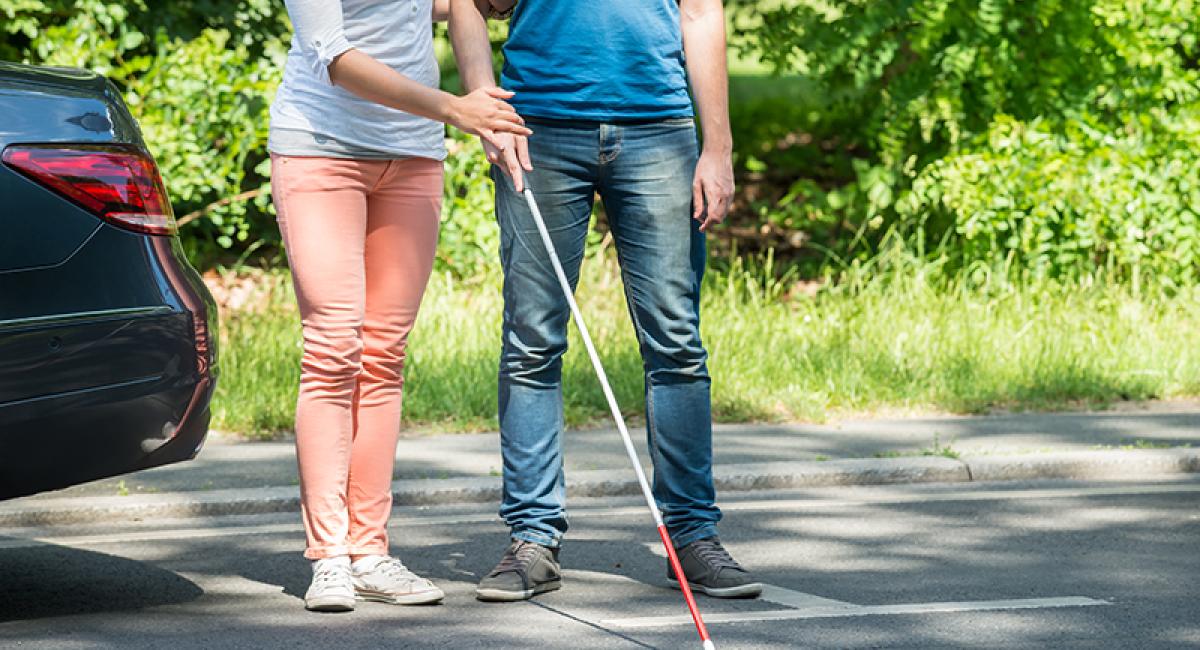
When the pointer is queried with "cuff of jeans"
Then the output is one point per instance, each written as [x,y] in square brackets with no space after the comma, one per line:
[695,535]
[323,552]
[373,549]
[536,538]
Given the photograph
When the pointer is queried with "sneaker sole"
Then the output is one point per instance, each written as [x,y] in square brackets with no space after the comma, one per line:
[502,596]
[749,590]
[430,597]
[329,604]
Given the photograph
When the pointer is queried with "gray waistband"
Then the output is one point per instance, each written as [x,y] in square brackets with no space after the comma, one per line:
[296,142]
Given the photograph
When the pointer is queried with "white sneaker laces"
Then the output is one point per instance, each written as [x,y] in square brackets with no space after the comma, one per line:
[395,570]
[331,575]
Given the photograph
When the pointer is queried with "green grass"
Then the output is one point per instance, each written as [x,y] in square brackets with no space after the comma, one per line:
[936,449]
[898,340]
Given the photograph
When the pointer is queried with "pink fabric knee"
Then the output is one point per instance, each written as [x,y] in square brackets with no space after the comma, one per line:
[361,237]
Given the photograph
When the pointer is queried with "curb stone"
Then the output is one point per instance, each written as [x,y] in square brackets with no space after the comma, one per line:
[1097,464]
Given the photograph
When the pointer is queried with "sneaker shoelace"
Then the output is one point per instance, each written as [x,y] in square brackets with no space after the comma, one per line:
[714,555]
[396,570]
[330,574]
[518,557]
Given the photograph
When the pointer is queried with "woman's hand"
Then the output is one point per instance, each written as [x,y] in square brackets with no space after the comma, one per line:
[485,113]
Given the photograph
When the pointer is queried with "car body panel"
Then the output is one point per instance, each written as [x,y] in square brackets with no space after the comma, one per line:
[107,336]
[62,105]
[23,219]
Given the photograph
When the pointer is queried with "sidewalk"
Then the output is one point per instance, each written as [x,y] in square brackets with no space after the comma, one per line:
[237,477]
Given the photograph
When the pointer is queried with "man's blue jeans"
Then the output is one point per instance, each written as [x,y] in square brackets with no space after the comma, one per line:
[643,173]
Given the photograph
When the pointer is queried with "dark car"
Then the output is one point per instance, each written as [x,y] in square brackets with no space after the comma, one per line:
[108,350]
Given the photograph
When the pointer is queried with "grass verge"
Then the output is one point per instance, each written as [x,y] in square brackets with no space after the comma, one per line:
[904,339]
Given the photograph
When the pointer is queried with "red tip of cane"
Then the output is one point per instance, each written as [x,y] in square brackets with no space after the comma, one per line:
[686,588]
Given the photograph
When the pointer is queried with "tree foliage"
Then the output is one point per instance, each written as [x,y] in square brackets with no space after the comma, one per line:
[1054,137]
[1045,134]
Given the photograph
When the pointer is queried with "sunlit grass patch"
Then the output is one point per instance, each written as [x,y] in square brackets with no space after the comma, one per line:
[900,339]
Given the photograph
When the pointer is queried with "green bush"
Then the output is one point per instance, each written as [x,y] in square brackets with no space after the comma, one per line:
[916,96]
[956,125]
[470,238]
[1069,202]
[203,105]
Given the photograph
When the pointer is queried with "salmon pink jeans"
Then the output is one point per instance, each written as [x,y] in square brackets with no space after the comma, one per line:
[360,238]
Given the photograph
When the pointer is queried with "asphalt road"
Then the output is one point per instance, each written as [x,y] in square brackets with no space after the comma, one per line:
[1015,565]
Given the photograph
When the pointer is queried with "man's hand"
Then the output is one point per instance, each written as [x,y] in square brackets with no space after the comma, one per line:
[511,153]
[712,188]
[473,51]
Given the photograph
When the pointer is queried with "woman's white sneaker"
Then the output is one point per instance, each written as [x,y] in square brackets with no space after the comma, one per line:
[385,579]
[332,588]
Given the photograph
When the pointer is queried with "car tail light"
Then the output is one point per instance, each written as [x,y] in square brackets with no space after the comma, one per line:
[117,183]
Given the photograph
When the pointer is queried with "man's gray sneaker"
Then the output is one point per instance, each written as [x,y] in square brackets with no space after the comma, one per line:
[527,569]
[711,570]
[332,588]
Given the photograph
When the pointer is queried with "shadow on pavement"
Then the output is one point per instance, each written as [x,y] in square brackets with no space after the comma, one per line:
[49,581]
[288,570]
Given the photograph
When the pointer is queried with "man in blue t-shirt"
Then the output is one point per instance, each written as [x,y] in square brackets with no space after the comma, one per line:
[604,87]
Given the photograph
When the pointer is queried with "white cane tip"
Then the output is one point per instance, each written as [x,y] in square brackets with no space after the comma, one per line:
[708,645]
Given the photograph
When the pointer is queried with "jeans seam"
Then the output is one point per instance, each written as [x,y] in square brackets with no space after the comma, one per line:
[651,429]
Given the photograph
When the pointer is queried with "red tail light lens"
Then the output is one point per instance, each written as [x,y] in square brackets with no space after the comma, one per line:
[117,183]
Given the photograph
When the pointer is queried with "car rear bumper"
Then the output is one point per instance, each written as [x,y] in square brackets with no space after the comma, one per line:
[96,394]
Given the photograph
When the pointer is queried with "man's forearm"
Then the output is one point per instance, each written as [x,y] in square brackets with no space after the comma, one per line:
[472,47]
[703,24]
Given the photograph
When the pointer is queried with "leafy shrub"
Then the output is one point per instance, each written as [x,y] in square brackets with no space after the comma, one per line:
[470,237]
[920,93]
[956,124]
[203,106]
[1065,203]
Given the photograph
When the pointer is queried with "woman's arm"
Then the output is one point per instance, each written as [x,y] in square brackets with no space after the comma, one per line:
[333,59]
[481,113]
[319,33]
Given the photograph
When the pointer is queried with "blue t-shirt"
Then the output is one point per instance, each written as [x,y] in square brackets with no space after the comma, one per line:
[590,60]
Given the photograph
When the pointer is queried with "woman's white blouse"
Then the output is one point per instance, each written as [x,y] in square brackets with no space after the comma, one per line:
[398,33]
